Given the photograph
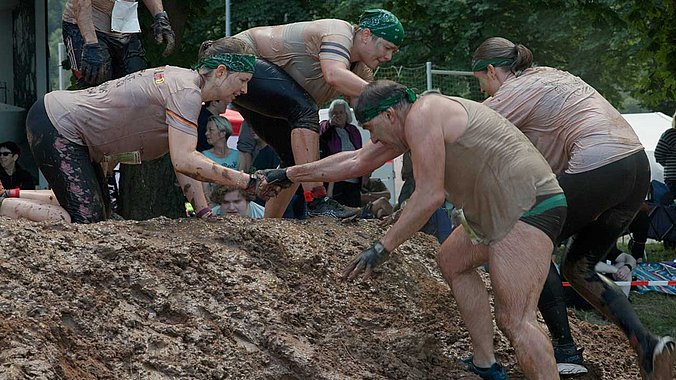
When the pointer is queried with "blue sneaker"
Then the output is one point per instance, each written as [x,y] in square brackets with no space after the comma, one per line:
[494,372]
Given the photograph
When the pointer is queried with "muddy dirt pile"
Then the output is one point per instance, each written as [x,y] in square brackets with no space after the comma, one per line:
[236,299]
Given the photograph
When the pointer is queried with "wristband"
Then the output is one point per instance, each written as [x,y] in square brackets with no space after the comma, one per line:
[201,213]
[629,266]
[13,193]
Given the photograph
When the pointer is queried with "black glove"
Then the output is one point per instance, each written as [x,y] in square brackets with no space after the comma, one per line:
[95,67]
[276,177]
[374,255]
[163,32]
[257,187]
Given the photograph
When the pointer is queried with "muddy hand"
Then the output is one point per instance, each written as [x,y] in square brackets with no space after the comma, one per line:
[374,255]
[257,188]
[275,178]
[163,33]
[95,66]
[393,217]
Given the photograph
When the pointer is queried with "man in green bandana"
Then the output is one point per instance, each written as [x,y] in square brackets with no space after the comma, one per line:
[511,209]
[303,65]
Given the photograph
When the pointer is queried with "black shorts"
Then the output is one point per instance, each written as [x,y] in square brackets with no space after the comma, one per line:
[274,105]
[548,214]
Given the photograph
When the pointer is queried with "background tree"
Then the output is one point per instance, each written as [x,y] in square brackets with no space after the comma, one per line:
[626,50]
[652,23]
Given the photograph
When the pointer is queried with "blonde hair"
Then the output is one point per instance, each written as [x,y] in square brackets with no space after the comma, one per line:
[222,124]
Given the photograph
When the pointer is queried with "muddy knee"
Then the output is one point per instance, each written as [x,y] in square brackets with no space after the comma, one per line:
[509,324]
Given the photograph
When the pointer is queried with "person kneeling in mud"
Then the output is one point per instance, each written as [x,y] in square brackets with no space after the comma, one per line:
[140,117]
[512,210]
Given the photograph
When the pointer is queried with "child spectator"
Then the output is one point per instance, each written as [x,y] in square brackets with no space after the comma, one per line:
[234,201]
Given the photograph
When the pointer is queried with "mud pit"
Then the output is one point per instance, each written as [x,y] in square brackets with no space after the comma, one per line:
[236,299]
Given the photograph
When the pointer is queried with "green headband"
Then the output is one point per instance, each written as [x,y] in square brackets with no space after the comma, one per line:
[482,64]
[243,63]
[368,113]
[383,24]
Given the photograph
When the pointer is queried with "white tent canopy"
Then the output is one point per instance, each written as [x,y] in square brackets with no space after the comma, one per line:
[649,127]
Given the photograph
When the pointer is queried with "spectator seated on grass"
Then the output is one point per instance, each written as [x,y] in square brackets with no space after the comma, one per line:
[230,201]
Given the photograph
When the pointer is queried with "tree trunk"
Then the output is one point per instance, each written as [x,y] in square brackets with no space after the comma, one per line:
[150,190]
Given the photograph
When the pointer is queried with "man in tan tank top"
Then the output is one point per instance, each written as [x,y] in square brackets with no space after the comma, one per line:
[102,38]
[512,210]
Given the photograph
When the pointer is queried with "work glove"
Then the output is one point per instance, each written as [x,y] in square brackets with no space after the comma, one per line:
[371,257]
[259,187]
[95,67]
[163,32]
[274,178]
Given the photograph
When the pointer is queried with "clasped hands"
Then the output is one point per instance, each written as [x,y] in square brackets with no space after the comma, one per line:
[266,184]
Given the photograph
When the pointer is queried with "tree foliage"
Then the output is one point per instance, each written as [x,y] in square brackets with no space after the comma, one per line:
[621,48]
[653,23]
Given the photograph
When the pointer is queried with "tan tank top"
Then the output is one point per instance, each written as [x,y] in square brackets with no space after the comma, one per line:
[574,127]
[102,11]
[297,48]
[493,172]
[130,114]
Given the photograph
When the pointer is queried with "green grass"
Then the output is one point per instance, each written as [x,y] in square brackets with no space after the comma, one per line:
[656,311]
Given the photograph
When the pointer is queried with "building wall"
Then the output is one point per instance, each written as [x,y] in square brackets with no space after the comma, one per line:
[6,60]
[23,47]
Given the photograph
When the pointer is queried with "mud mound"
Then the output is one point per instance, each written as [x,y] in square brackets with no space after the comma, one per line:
[234,298]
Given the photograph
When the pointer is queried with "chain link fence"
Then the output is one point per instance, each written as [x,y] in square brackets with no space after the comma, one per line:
[428,77]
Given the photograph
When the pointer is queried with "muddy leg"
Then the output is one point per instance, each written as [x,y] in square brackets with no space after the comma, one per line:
[519,264]
[458,259]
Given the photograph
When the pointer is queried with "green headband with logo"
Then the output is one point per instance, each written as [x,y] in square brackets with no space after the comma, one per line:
[243,63]
[482,64]
[368,113]
[383,24]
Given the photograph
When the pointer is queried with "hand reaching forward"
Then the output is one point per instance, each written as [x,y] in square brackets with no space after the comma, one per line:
[374,255]
[273,181]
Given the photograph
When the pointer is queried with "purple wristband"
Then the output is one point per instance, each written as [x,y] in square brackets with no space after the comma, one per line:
[203,212]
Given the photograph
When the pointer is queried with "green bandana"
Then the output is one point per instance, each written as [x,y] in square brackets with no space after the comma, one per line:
[369,113]
[383,24]
[243,63]
[481,64]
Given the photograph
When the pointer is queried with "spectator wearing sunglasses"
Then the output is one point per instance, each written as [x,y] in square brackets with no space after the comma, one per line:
[12,175]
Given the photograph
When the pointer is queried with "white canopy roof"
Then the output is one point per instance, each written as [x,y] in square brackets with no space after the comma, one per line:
[649,127]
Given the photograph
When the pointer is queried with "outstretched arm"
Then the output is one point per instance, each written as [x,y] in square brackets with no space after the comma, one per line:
[425,137]
[344,165]
[186,160]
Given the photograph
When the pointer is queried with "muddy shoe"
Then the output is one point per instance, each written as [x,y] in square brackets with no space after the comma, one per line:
[569,360]
[662,366]
[328,207]
[494,372]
